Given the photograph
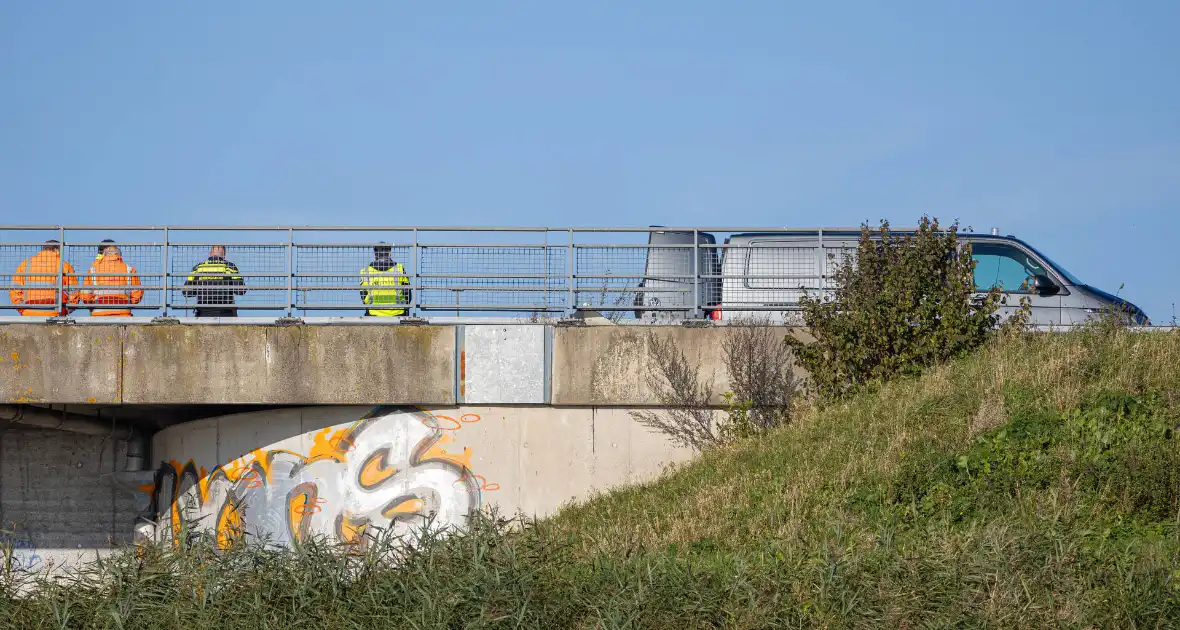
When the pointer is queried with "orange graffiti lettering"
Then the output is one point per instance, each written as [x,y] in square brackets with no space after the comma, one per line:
[450,425]
[313,506]
[252,479]
[480,479]
[330,445]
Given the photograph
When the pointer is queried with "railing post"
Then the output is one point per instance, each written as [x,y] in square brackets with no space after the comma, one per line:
[696,273]
[61,266]
[414,290]
[571,305]
[164,278]
[823,262]
[290,272]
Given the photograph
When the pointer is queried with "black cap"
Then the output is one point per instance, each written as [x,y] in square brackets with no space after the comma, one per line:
[104,243]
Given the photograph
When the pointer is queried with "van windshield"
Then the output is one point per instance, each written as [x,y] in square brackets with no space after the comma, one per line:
[1061,270]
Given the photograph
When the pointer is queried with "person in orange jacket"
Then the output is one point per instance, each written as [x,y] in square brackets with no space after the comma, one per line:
[40,271]
[119,288]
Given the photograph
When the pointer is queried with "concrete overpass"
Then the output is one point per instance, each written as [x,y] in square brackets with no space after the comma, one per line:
[297,430]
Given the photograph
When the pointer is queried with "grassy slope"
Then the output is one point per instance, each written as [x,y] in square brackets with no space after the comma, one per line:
[866,515]
[1034,484]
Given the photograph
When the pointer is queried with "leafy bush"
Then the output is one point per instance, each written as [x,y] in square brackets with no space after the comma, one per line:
[904,303]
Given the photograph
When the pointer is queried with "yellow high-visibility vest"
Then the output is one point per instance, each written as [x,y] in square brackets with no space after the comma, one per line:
[378,292]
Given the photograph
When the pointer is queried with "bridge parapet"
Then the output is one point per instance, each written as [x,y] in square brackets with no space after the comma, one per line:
[164,364]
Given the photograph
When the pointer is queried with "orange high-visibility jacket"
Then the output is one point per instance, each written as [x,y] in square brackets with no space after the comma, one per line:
[40,271]
[100,289]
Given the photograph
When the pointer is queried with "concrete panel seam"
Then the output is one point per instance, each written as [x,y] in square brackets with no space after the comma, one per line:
[122,362]
[547,375]
[460,364]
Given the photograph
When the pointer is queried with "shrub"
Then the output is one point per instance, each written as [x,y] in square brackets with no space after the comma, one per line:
[686,417]
[759,361]
[907,301]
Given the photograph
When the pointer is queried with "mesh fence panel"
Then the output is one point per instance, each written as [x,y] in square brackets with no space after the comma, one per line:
[109,279]
[834,258]
[255,277]
[30,275]
[769,275]
[500,277]
[329,276]
[609,278]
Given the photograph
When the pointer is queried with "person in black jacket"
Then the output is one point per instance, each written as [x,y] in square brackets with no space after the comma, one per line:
[215,282]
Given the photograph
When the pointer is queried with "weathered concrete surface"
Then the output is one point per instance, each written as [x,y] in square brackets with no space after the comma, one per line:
[60,364]
[331,365]
[194,364]
[608,365]
[64,497]
[288,365]
[361,365]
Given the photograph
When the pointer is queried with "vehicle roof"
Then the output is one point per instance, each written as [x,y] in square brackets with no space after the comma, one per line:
[855,233]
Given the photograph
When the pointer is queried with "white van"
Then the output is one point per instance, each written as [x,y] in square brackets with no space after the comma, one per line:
[767,273]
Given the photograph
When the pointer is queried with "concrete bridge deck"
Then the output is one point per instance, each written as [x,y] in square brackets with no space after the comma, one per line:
[175,364]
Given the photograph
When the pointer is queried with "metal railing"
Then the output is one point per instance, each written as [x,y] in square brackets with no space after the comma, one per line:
[304,270]
[625,273]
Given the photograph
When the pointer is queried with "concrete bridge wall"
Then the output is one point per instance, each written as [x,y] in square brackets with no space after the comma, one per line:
[348,467]
[377,426]
[366,365]
[65,497]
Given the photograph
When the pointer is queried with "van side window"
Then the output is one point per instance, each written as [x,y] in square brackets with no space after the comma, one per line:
[1004,266]
[781,265]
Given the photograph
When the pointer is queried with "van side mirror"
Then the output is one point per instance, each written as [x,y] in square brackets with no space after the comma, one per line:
[1043,285]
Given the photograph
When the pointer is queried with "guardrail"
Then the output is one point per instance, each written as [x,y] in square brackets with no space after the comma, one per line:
[627,274]
[292,270]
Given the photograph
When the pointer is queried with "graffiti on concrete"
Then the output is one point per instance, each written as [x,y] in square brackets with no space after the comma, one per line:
[388,470]
[18,550]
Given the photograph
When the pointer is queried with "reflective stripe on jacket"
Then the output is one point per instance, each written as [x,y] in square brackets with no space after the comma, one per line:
[119,288]
[37,275]
[379,289]
[214,281]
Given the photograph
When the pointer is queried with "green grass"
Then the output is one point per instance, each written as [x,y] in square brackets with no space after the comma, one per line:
[1034,484]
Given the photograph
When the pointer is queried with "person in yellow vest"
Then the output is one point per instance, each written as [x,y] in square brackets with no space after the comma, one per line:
[380,281]
[111,295]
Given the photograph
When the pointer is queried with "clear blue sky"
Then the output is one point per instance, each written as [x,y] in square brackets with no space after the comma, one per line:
[1056,121]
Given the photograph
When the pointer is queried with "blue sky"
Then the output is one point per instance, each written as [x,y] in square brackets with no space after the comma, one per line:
[1056,121]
